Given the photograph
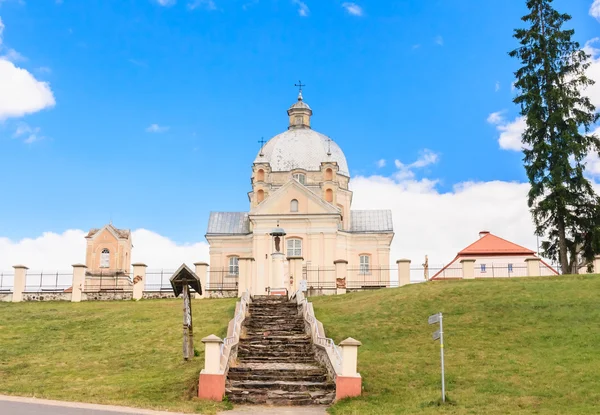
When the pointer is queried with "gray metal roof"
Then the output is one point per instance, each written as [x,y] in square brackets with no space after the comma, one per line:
[228,223]
[371,221]
[301,148]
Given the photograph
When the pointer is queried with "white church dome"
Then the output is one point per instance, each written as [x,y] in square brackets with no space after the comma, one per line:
[301,149]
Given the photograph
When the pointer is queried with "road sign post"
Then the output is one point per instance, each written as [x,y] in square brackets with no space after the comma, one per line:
[439,334]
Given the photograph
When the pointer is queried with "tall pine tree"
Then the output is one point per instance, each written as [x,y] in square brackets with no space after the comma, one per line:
[559,118]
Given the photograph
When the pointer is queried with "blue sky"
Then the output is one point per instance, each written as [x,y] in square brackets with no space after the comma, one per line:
[388,81]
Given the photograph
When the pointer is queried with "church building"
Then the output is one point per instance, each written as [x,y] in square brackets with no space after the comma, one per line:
[300,209]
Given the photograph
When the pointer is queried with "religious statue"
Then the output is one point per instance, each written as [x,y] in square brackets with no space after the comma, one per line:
[277,242]
[426,268]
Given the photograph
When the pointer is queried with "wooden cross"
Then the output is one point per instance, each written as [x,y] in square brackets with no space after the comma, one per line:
[300,85]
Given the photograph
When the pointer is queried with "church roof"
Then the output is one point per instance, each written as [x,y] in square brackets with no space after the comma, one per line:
[489,244]
[302,148]
[371,221]
[121,233]
[228,223]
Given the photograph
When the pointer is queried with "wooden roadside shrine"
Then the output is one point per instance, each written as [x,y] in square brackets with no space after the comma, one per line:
[182,280]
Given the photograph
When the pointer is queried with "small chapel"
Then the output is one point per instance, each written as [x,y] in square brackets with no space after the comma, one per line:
[300,217]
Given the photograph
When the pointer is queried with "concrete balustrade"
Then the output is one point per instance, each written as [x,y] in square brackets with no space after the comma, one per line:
[139,280]
[468,268]
[403,272]
[78,285]
[19,283]
[202,273]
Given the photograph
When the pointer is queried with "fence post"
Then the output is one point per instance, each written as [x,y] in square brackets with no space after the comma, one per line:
[139,280]
[19,284]
[295,271]
[78,282]
[244,275]
[349,382]
[596,269]
[533,267]
[403,272]
[211,384]
[201,271]
[341,275]
[468,269]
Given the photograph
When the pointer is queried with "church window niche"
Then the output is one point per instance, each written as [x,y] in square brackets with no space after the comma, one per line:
[329,195]
[260,175]
[328,174]
[260,196]
[365,264]
[298,120]
[105,258]
[300,177]
[294,206]
[234,265]
[294,247]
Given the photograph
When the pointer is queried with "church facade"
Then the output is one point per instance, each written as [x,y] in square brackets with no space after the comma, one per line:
[300,211]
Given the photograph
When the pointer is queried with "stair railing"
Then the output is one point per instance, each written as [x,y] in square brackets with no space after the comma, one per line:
[317,332]
[234,338]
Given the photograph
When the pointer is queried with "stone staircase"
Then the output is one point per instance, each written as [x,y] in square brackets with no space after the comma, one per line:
[275,362]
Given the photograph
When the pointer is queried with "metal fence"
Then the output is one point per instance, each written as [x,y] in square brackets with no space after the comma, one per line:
[449,273]
[500,270]
[119,281]
[7,281]
[158,280]
[319,279]
[222,279]
[371,278]
[48,281]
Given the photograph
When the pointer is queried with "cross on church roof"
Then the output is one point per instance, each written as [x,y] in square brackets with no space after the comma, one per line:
[300,85]
[262,145]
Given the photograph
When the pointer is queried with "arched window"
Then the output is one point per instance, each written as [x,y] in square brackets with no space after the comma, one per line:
[300,177]
[234,267]
[260,196]
[294,247]
[328,174]
[329,195]
[294,206]
[260,175]
[105,258]
[365,264]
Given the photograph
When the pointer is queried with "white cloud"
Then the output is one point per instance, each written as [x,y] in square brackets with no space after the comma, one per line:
[303,9]
[353,9]
[497,87]
[44,69]
[592,161]
[595,9]
[381,163]
[439,40]
[511,132]
[52,251]
[28,134]
[166,3]
[406,172]
[592,47]
[13,56]
[155,128]
[20,92]
[206,4]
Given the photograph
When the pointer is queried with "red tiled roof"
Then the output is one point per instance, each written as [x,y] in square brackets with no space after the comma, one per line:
[490,244]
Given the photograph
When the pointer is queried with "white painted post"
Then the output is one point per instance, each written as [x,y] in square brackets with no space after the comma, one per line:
[212,355]
[403,272]
[201,272]
[596,269]
[139,280]
[341,275]
[19,284]
[533,267]
[350,357]
[244,276]
[468,269]
[295,272]
[78,282]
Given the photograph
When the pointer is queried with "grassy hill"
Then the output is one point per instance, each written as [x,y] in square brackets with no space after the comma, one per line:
[518,346]
[117,352]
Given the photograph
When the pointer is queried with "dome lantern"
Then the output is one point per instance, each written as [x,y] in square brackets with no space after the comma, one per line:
[299,113]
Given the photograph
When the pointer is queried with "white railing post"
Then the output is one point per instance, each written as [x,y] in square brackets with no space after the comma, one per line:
[78,282]
[212,354]
[139,280]
[403,272]
[201,272]
[350,356]
[19,283]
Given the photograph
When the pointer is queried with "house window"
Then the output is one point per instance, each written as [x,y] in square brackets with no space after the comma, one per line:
[294,206]
[300,177]
[365,264]
[234,267]
[510,267]
[294,247]
[483,268]
[105,258]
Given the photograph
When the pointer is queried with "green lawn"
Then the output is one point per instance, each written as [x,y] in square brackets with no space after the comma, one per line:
[518,346]
[117,352]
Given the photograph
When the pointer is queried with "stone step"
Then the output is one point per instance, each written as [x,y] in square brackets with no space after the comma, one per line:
[293,355]
[258,347]
[279,397]
[273,333]
[283,359]
[276,375]
[284,385]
